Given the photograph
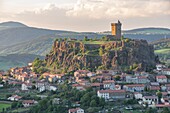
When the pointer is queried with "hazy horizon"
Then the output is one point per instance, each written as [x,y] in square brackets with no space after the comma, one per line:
[87,15]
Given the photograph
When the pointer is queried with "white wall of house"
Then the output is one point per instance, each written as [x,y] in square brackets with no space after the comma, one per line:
[138,96]
[103,95]
[150,100]
[161,80]
[80,111]
[24,87]
[109,86]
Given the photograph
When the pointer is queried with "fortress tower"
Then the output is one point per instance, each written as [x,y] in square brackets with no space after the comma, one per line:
[116,29]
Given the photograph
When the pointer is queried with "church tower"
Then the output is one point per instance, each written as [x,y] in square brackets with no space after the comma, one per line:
[116,29]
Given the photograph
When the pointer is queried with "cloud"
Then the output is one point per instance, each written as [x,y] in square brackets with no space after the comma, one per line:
[119,8]
[96,15]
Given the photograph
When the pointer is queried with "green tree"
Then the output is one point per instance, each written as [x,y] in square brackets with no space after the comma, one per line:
[85,38]
[117,78]
[93,103]
[165,110]
[159,94]
[101,51]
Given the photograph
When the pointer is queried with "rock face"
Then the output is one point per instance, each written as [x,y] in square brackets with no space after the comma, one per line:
[71,55]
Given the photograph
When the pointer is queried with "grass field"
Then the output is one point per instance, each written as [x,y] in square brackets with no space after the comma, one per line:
[4,105]
[163,51]
[20,110]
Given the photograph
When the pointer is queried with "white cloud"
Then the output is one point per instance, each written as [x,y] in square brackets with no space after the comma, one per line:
[96,15]
[119,8]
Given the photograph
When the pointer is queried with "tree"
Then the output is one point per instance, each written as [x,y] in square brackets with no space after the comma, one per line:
[85,38]
[151,110]
[126,40]
[165,110]
[101,51]
[117,78]
[159,94]
[122,38]
[93,103]
[104,38]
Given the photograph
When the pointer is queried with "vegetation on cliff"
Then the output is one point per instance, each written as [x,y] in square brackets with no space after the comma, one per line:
[92,54]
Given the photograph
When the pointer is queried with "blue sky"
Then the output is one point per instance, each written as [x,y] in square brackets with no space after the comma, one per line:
[87,15]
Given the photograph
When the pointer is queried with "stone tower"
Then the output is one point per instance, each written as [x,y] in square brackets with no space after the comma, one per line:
[116,29]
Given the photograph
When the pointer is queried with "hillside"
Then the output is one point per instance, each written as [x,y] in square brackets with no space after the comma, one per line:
[150,34]
[162,49]
[71,55]
[16,60]
[150,30]
[17,38]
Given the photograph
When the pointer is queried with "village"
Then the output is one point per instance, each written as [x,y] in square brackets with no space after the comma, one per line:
[150,90]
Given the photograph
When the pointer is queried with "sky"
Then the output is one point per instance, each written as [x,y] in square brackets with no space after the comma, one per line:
[86,15]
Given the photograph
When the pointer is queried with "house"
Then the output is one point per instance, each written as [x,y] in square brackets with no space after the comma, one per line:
[82,73]
[159,67]
[154,86]
[76,110]
[28,103]
[90,74]
[134,87]
[143,79]
[41,86]
[26,86]
[14,98]
[161,79]
[52,88]
[138,95]
[100,78]
[1,85]
[137,79]
[166,71]
[111,94]
[167,87]
[109,84]
[110,72]
[117,87]
[143,73]
[52,78]
[78,87]
[131,79]
[150,100]
[84,82]
[96,85]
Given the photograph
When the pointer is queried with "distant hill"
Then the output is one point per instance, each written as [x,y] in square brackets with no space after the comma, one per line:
[16,60]
[150,30]
[12,24]
[17,38]
[162,49]
[150,34]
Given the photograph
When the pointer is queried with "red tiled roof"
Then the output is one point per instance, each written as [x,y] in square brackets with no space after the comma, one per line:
[150,97]
[28,101]
[167,85]
[142,77]
[96,84]
[162,105]
[168,69]
[109,81]
[154,87]
[112,91]
[76,85]
[135,85]
[74,109]
[161,77]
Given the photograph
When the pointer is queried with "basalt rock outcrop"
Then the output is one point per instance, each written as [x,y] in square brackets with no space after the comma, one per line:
[71,55]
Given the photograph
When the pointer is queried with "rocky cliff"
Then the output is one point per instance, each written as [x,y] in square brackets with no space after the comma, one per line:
[71,55]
